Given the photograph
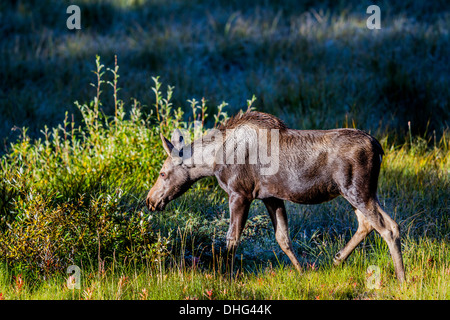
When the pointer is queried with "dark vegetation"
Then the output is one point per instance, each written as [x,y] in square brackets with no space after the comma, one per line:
[313,63]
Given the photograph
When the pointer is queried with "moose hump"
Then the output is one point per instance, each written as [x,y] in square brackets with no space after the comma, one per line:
[256,118]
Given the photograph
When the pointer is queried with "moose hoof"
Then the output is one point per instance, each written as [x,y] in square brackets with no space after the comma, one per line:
[337,259]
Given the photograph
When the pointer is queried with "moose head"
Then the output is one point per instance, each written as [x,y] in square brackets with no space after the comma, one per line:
[174,178]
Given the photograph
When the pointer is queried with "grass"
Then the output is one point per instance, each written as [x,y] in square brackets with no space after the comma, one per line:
[73,184]
[427,263]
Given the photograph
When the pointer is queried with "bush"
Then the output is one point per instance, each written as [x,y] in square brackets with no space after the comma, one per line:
[49,237]
[76,196]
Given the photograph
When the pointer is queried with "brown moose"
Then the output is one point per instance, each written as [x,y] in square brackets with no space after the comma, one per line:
[306,166]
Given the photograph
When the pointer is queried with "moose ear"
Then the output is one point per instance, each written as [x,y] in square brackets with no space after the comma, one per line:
[168,146]
[177,139]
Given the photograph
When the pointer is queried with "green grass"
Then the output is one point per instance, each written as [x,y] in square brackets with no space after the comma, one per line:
[427,264]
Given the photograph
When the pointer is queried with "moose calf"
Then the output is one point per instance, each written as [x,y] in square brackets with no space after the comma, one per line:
[304,166]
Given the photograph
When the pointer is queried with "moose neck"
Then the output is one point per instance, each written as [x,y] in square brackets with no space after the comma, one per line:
[201,159]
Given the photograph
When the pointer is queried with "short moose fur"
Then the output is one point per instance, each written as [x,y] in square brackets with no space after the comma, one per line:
[314,166]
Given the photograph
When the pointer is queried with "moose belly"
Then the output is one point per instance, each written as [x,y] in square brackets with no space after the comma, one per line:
[304,192]
[312,196]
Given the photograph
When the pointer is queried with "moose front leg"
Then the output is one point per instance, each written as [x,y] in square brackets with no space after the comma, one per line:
[239,207]
[277,212]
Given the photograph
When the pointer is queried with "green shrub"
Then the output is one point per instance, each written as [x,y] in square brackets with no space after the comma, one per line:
[76,196]
[49,237]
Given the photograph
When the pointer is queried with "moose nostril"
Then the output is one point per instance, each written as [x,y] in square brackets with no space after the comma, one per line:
[150,205]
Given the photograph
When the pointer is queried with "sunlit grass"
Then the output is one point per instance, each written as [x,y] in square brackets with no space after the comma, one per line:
[428,277]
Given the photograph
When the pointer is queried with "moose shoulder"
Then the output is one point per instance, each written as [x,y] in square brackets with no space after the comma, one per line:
[255,155]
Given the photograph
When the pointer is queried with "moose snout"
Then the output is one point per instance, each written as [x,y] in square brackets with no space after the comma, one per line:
[150,205]
[153,205]
[150,200]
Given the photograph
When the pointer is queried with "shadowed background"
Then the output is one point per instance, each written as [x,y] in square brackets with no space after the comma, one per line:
[312,63]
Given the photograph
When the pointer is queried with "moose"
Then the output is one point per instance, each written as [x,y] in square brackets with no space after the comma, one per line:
[305,167]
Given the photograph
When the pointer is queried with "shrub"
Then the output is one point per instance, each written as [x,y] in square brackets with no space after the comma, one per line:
[75,196]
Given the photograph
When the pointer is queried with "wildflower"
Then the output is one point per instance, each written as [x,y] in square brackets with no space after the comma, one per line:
[87,294]
[122,281]
[209,294]
[208,276]
[19,283]
[71,282]
[144,294]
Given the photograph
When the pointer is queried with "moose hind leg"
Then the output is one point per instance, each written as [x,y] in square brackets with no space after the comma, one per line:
[389,231]
[277,212]
[392,237]
[364,228]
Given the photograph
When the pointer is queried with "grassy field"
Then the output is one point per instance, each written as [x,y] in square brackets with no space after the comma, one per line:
[74,176]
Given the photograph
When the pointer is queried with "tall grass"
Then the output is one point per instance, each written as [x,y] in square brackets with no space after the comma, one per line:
[428,278]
